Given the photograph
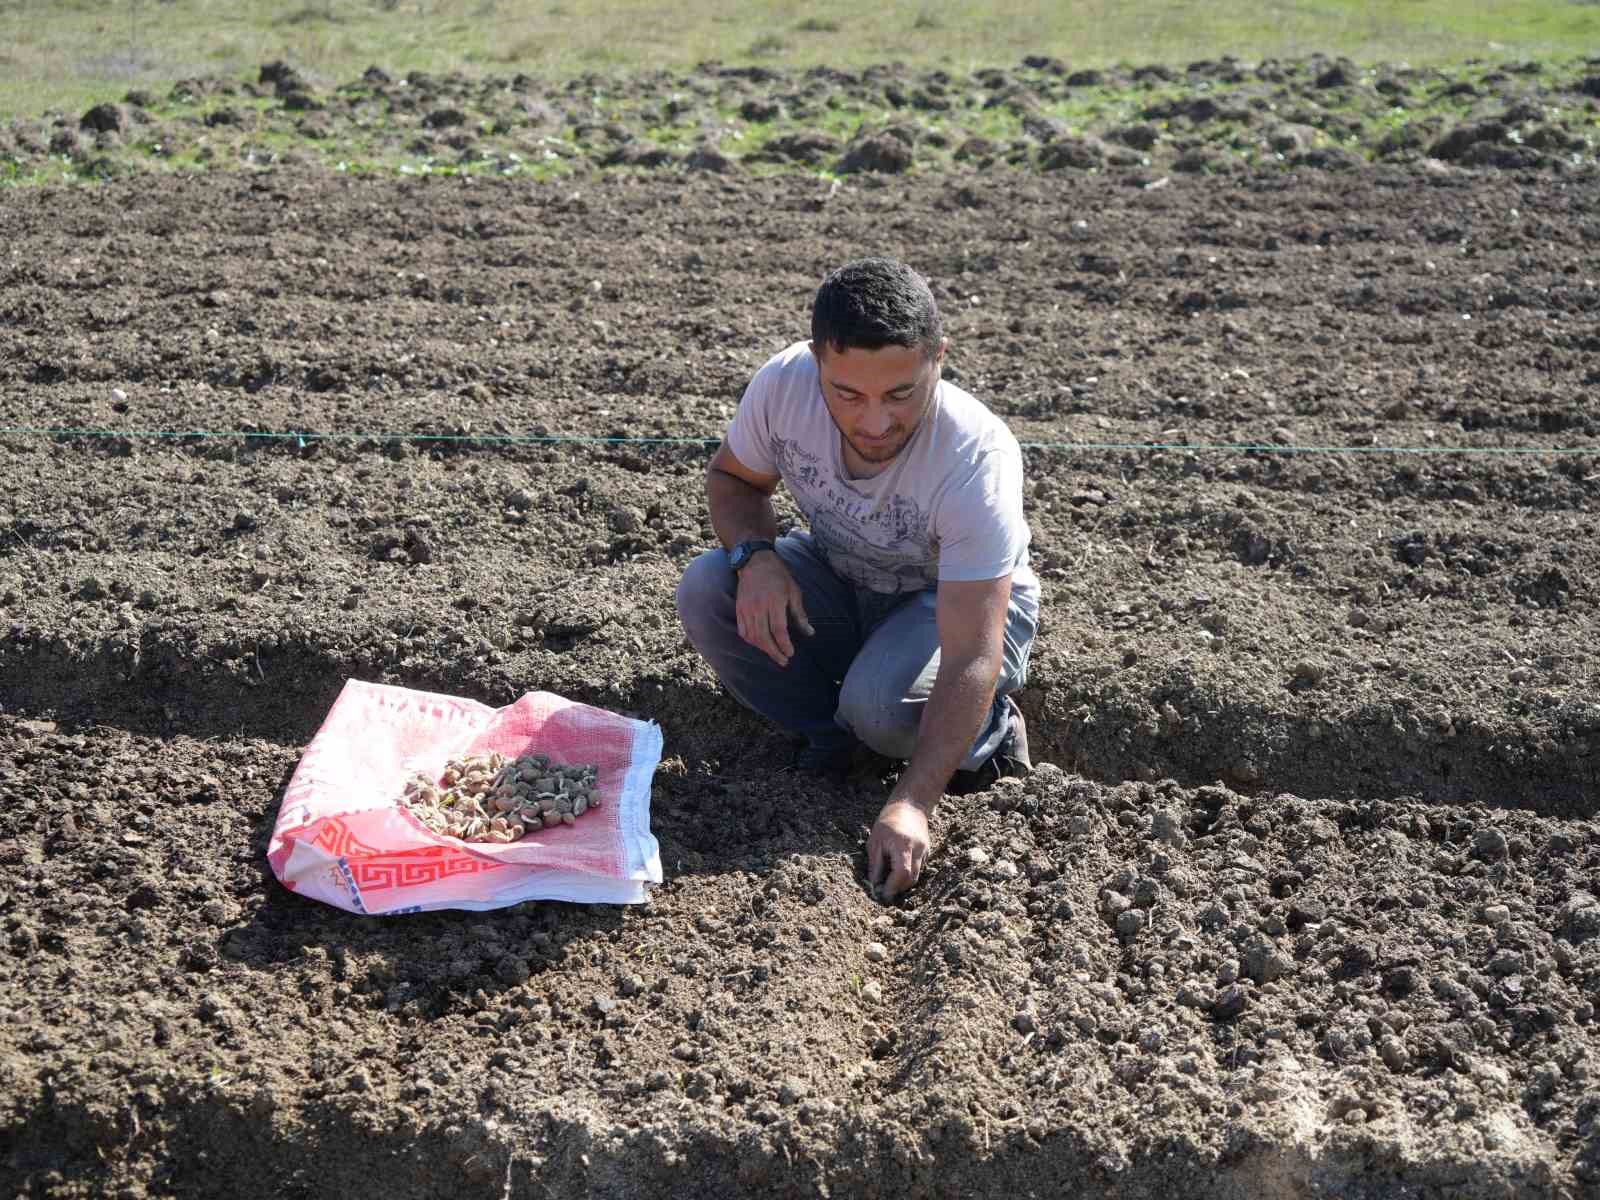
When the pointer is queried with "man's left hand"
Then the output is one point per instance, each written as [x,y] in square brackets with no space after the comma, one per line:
[897,847]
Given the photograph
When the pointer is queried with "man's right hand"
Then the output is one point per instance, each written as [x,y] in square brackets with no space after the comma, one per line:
[767,595]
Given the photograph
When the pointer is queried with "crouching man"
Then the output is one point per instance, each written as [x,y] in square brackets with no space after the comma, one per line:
[903,618]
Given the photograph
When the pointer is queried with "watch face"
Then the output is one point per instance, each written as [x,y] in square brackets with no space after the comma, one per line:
[741,553]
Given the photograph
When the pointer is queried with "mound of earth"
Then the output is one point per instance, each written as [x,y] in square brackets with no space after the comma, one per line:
[1214,116]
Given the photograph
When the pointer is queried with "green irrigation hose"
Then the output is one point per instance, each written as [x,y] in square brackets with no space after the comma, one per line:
[301,438]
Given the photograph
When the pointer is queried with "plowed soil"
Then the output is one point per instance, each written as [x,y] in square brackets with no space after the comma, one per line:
[1302,904]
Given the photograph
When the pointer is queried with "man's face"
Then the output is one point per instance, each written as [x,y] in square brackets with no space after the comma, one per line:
[877,397]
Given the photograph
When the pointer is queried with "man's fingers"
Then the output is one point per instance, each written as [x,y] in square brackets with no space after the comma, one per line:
[877,860]
[763,612]
[902,876]
[779,624]
[755,628]
[776,643]
[798,608]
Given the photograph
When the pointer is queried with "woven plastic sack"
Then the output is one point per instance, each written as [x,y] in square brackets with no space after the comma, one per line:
[343,837]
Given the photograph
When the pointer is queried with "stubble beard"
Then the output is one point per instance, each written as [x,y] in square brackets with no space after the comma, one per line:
[881,456]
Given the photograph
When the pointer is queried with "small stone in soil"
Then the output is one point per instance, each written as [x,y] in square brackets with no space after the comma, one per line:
[1165,827]
[1393,1052]
[872,993]
[876,952]
[1116,903]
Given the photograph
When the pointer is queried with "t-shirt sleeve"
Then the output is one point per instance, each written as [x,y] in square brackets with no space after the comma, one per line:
[983,533]
[750,432]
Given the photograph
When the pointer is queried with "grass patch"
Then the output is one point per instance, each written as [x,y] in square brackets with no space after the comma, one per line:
[768,45]
[309,15]
[525,50]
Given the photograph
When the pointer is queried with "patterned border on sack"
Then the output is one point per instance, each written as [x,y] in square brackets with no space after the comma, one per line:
[345,877]
[368,870]
[334,836]
[412,868]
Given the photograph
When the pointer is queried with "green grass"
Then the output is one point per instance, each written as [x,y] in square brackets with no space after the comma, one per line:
[68,54]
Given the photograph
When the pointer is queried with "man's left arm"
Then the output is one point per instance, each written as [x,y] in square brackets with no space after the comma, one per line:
[971,617]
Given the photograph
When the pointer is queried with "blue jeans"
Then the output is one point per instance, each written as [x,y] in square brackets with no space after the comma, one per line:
[867,671]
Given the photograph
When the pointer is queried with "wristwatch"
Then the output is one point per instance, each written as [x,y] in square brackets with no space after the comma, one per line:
[739,557]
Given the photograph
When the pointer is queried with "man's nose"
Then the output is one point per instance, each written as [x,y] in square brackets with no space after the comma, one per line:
[876,423]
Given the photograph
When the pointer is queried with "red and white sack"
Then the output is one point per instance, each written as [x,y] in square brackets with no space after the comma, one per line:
[343,836]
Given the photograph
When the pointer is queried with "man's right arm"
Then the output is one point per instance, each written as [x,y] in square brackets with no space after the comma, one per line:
[741,510]
[740,500]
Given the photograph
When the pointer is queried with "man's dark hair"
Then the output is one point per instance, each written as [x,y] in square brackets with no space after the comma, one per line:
[872,303]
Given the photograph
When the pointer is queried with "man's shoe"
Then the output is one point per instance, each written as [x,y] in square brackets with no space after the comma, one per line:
[1009,761]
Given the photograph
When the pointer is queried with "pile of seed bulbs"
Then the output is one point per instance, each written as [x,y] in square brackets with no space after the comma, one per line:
[492,798]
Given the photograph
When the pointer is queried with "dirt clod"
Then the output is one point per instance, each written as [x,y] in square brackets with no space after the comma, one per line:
[1230,1002]
[1490,845]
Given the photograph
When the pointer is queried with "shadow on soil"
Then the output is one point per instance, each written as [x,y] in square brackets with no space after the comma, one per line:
[1252,748]
[233,1140]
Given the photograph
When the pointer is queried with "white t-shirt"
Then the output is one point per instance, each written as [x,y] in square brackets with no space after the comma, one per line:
[948,506]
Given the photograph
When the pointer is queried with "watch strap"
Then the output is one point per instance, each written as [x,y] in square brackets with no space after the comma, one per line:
[745,551]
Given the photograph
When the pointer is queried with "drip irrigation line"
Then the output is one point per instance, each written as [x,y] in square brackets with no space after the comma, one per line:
[301,438]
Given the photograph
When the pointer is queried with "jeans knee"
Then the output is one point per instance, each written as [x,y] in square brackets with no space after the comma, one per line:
[885,721]
[702,591]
